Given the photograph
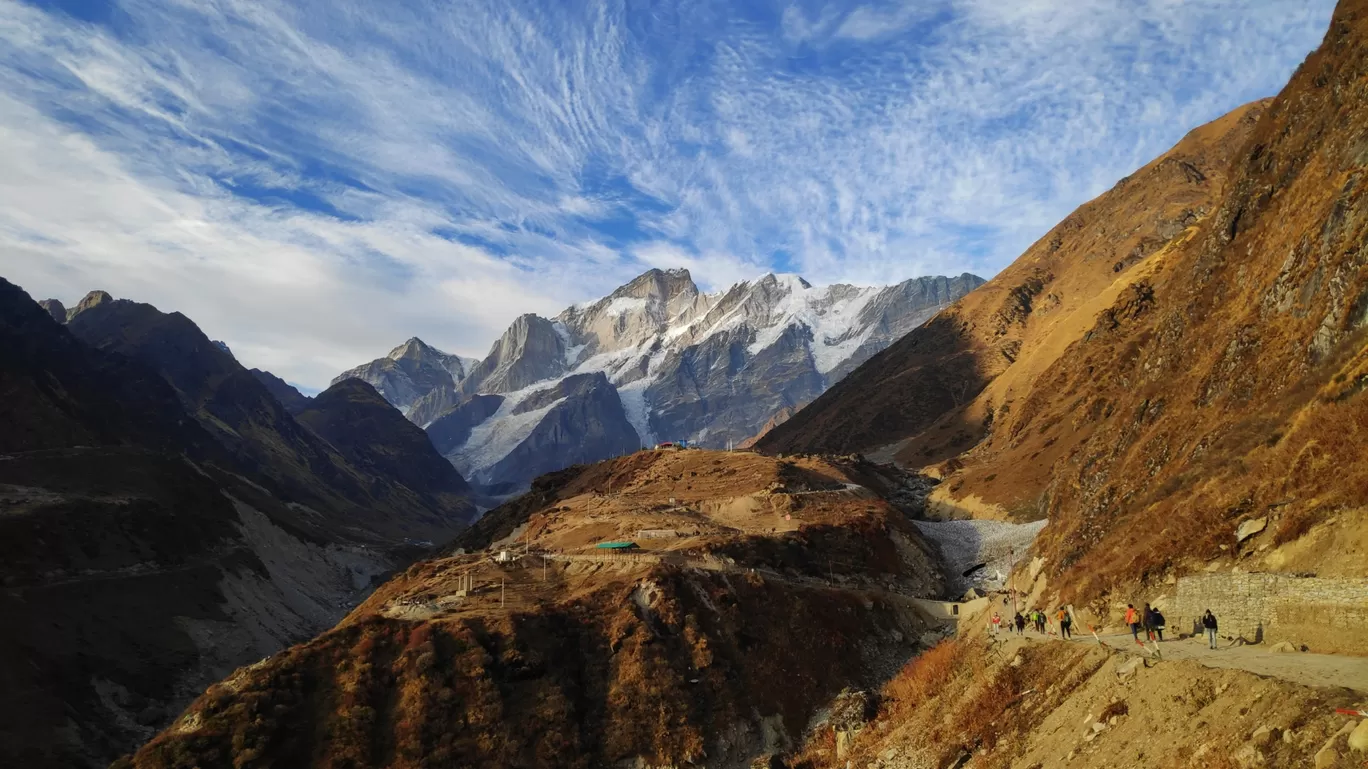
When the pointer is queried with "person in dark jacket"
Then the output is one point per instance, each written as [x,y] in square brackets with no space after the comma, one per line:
[1209,624]
[1147,620]
[1065,624]
[1020,624]
[1158,625]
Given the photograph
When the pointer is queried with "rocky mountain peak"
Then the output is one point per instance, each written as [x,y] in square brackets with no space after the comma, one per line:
[532,349]
[413,348]
[658,284]
[92,299]
[54,308]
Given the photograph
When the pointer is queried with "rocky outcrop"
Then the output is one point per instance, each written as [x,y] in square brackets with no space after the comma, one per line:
[92,299]
[55,309]
[293,400]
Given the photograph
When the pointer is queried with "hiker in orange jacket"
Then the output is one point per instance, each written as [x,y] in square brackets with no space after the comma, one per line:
[1133,619]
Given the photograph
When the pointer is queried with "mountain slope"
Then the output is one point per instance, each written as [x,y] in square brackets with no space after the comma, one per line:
[253,424]
[684,365]
[1005,329]
[376,438]
[293,400]
[1219,379]
[139,560]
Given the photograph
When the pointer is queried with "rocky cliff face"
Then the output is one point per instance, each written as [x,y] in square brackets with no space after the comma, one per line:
[530,351]
[681,364]
[54,308]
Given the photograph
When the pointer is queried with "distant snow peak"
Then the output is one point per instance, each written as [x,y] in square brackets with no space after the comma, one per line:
[663,361]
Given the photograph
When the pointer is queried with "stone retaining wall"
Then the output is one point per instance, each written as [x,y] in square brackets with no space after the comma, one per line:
[1326,615]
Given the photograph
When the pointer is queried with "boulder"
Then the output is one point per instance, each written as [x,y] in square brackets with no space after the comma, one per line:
[1249,528]
[1128,668]
[1261,736]
[1358,739]
[1248,757]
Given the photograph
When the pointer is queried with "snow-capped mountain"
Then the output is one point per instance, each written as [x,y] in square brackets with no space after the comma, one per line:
[655,360]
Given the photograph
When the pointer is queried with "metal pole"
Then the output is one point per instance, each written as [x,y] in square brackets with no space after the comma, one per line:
[1011,566]
[501,592]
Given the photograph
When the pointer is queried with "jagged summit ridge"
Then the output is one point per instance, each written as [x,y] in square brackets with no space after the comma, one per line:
[676,363]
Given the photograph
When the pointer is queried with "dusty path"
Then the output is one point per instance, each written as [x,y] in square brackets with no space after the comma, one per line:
[1323,670]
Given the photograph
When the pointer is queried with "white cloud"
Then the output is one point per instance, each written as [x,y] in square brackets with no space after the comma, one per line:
[869,23]
[313,183]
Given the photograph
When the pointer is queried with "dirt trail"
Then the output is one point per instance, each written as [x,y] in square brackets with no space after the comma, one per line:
[1322,670]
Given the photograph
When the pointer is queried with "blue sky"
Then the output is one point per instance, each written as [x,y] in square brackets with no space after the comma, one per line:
[314,182]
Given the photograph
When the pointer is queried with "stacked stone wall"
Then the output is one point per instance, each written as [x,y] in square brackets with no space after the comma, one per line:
[1326,615]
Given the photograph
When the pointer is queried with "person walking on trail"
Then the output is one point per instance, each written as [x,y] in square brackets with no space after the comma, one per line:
[1020,624]
[997,622]
[1158,625]
[1209,624]
[1065,624]
[1133,619]
[1147,618]
[1040,621]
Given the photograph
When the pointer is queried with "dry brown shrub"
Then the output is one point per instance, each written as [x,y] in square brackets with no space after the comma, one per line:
[924,677]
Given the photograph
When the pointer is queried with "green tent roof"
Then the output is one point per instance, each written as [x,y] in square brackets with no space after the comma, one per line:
[615,545]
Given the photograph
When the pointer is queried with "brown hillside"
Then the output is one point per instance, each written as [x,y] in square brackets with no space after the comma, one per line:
[1229,384]
[1219,375]
[1011,327]
[760,589]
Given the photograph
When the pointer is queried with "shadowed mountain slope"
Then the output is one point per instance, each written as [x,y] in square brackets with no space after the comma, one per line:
[156,530]
[245,417]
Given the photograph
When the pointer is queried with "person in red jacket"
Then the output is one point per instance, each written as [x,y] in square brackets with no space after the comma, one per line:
[1133,619]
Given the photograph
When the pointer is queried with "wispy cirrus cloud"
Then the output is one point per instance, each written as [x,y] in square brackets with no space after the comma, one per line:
[313,182]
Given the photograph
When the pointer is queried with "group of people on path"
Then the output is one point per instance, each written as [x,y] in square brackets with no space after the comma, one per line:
[1037,619]
[1150,620]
